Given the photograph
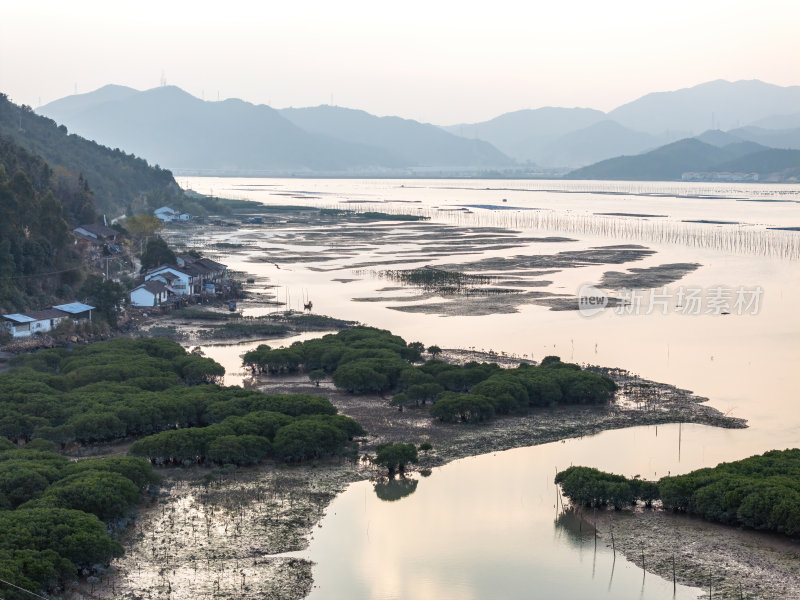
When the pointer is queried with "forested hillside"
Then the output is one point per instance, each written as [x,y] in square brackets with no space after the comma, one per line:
[120,181]
[38,260]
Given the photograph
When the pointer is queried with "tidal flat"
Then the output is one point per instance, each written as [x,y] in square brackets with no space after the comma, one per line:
[682,351]
[723,561]
[235,533]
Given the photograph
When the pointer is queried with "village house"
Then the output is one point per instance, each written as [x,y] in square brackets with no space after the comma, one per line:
[179,279]
[191,275]
[96,234]
[78,311]
[166,214]
[43,321]
[150,293]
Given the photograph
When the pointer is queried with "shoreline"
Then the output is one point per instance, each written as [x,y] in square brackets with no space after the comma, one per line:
[735,563]
[224,533]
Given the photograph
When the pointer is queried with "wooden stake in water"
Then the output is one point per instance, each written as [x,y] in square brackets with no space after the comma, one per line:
[674,579]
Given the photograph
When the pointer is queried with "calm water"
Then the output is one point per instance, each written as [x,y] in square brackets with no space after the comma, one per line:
[486,526]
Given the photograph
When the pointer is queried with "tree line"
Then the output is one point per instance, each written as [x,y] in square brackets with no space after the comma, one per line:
[107,391]
[365,360]
[54,514]
[760,492]
[152,387]
[254,436]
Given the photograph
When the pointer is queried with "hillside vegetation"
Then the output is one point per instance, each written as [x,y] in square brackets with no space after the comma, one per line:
[38,261]
[119,181]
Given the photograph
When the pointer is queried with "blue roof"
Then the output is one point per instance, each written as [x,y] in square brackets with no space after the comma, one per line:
[74,307]
[19,318]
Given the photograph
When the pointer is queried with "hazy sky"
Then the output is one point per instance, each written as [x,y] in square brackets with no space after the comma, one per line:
[437,61]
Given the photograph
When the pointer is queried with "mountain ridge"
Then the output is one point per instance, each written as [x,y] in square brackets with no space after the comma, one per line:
[691,155]
[171,127]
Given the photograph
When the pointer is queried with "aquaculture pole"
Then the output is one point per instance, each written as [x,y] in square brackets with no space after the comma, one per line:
[674,581]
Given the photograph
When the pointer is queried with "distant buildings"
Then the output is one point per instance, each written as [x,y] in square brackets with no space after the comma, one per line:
[718,176]
[42,321]
[169,215]
[165,213]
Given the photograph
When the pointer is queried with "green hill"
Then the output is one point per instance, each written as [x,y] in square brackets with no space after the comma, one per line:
[670,162]
[664,163]
[38,260]
[119,181]
[765,163]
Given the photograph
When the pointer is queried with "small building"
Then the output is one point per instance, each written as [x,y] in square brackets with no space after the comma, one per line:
[150,293]
[46,320]
[166,214]
[78,311]
[217,271]
[38,321]
[98,234]
[209,271]
[18,325]
[180,280]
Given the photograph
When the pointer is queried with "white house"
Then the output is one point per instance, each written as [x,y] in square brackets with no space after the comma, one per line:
[18,324]
[182,282]
[166,214]
[150,293]
[43,321]
[40,321]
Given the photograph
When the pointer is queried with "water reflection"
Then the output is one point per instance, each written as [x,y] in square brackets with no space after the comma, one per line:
[482,527]
[575,525]
[394,489]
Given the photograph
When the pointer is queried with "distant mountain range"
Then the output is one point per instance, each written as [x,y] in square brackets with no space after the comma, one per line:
[572,137]
[186,134]
[170,127]
[411,143]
